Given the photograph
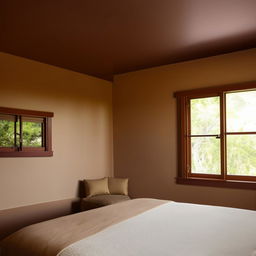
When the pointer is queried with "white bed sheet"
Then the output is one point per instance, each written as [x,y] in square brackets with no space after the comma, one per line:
[175,229]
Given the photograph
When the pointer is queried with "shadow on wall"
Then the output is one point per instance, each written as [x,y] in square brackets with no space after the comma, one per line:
[81,193]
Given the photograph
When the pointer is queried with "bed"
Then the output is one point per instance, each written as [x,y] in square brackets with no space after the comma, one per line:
[140,227]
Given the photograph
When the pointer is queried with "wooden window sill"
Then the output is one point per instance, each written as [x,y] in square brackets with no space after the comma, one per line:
[27,154]
[217,183]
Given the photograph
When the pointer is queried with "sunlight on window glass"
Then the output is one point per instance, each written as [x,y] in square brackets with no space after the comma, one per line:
[241,111]
[205,116]
[205,157]
[241,155]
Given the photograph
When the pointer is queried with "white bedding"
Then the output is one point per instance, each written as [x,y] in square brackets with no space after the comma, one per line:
[175,229]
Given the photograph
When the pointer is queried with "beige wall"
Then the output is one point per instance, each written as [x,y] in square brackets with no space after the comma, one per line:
[145,140]
[82,131]
[144,128]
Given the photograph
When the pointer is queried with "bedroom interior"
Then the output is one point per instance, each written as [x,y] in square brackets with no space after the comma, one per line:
[117,82]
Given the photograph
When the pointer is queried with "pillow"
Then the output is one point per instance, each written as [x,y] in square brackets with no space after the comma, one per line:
[118,186]
[96,187]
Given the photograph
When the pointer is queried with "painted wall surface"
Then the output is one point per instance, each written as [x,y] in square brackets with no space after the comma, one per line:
[82,131]
[145,133]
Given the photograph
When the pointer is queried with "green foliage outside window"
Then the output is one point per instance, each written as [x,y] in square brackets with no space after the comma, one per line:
[31,133]
[241,149]
[205,120]
[6,133]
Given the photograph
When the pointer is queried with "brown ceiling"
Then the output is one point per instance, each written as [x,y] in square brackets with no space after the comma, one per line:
[106,37]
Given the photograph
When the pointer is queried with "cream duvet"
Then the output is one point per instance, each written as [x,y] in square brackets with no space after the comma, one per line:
[168,229]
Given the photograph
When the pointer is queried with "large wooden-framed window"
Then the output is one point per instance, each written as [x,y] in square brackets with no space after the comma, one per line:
[25,133]
[217,136]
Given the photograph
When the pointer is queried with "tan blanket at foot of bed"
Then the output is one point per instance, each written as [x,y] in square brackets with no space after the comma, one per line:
[50,237]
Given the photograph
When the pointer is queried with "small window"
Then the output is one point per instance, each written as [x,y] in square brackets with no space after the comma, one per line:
[217,136]
[25,133]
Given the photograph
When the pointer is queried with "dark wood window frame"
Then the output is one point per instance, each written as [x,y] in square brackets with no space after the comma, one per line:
[183,116]
[18,150]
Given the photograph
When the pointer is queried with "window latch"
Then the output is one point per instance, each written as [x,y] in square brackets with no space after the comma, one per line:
[218,136]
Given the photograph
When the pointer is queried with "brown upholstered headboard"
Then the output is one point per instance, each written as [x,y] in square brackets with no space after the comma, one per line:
[14,219]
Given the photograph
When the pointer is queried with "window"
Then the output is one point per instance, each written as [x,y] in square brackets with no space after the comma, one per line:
[217,136]
[25,133]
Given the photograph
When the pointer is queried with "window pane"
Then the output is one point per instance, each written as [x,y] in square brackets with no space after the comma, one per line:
[241,155]
[241,109]
[205,116]
[205,155]
[32,134]
[7,123]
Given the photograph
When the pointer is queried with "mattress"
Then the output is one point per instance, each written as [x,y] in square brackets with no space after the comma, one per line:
[141,227]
